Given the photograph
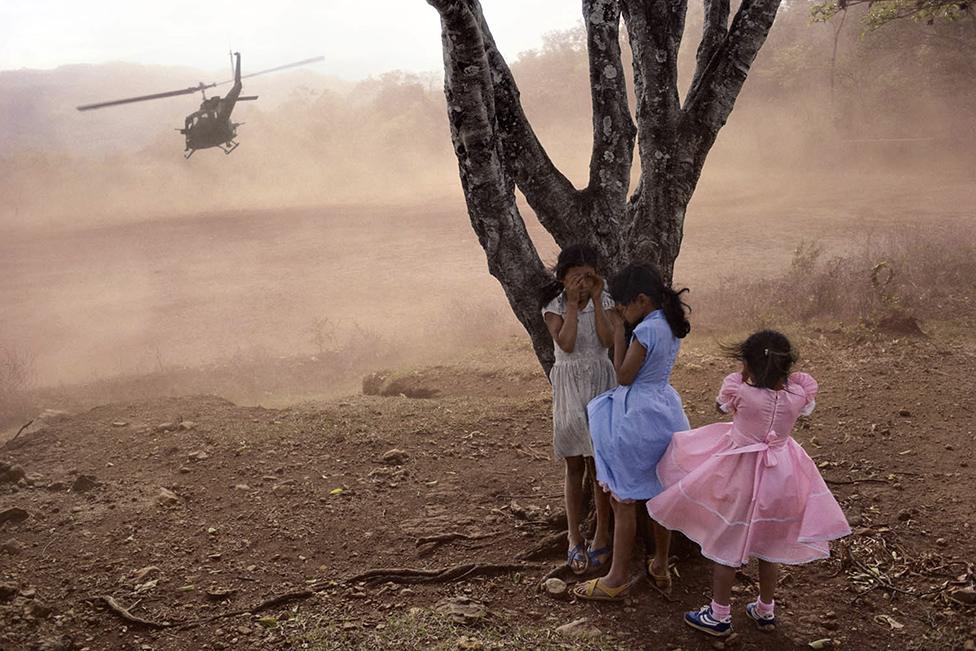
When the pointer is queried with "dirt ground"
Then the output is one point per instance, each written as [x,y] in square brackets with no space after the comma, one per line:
[192,512]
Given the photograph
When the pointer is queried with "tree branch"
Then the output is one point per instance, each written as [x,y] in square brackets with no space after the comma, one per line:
[715,29]
[711,99]
[613,129]
[489,189]
[550,194]
[655,28]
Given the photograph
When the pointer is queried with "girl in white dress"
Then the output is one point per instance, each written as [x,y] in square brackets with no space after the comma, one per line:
[577,313]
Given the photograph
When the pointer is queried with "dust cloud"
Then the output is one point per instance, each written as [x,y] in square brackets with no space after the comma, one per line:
[337,230]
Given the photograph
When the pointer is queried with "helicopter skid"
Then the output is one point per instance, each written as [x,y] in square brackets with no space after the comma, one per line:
[188,153]
[232,146]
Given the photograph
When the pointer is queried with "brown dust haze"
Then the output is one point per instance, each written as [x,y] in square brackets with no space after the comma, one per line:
[336,233]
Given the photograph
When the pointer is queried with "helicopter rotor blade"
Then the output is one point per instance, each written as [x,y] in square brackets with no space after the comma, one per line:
[145,98]
[304,62]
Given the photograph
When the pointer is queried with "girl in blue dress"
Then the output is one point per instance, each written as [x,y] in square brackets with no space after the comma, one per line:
[632,425]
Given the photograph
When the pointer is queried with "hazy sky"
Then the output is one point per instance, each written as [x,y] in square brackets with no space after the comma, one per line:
[356,38]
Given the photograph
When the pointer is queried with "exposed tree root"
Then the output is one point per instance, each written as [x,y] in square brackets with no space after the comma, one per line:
[442,575]
[428,544]
[551,544]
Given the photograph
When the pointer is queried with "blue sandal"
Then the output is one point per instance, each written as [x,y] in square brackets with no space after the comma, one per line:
[577,559]
[593,557]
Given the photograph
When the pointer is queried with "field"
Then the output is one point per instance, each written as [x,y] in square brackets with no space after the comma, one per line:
[219,453]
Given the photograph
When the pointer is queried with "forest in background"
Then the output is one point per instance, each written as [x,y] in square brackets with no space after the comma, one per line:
[822,100]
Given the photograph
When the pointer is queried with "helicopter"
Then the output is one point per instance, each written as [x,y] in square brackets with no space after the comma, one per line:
[210,126]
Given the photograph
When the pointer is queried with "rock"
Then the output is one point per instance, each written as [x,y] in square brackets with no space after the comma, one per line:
[394,457]
[14,515]
[904,515]
[167,427]
[187,425]
[57,486]
[578,628]
[11,547]
[84,483]
[904,413]
[969,645]
[282,489]
[555,587]
[218,594]
[166,496]
[120,423]
[39,609]
[242,487]
[462,609]
[465,642]
[8,591]
[11,473]
[198,455]
[965,595]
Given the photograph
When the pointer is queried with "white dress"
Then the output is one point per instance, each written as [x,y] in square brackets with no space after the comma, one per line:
[577,378]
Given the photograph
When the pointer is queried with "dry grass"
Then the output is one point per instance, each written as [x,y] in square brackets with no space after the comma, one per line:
[930,275]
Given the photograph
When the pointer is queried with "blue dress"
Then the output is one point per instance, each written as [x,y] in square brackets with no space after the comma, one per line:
[632,425]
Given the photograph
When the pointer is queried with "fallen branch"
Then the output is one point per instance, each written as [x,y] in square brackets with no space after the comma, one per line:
[841,482]
[114,606]
[442,575]
[271,602]
[19,432]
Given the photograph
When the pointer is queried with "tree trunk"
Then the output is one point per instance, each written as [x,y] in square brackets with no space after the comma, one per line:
[498,151]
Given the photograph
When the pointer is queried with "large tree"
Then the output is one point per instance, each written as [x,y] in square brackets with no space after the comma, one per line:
[498,151]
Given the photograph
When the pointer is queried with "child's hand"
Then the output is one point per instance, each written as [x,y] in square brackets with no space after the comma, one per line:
[616,321]
[596,288]
[574,284]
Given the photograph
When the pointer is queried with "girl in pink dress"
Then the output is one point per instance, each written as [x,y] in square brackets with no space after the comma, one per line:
[746,489]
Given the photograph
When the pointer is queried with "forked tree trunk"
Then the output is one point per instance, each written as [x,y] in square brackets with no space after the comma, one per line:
[497,149]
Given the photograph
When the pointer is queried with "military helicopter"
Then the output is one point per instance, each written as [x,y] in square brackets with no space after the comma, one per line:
[210,126]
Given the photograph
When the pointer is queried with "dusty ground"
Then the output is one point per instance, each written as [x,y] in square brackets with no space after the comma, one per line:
[300,498]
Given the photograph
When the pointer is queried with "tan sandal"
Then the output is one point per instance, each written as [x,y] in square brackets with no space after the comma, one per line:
[595,590]
[660,581]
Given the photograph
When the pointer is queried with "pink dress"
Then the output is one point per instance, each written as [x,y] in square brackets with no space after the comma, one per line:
[746,489]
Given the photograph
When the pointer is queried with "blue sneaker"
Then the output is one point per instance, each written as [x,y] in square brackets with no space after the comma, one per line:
[763,622]
[703,620]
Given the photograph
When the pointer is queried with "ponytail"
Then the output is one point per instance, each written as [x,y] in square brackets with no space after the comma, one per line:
[675,311]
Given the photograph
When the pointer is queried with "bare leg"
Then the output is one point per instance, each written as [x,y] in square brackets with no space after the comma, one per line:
[601,499]
[574,498]
[722,579]
[662,547]
[768,576]
[624,529]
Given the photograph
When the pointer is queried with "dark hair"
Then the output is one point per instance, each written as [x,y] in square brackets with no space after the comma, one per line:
[574,255]
[768,355]
[645,279]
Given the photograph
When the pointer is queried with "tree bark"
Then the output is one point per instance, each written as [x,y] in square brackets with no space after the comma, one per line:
[497,150]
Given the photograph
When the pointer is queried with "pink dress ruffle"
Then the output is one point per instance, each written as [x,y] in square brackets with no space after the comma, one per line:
[746,489]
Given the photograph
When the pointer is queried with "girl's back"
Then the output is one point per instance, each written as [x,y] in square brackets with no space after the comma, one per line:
[655,335]
[757,411]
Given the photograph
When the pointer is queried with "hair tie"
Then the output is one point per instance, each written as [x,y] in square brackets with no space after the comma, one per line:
[765,352]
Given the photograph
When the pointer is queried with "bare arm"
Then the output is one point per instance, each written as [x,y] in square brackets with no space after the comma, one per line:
[563,330]
[627,360]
